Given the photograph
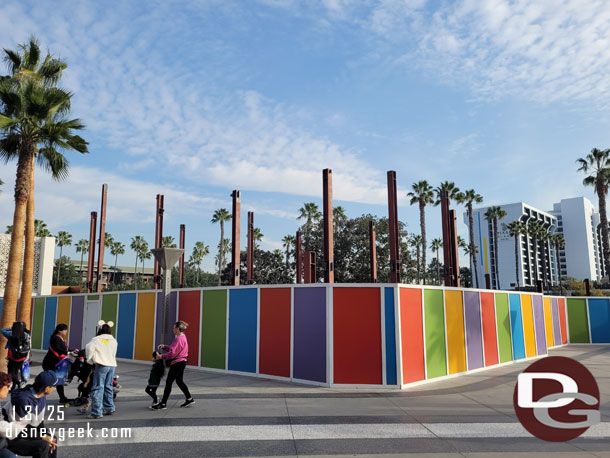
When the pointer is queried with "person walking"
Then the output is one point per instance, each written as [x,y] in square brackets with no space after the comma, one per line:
[157,371]
[177,353]
[101,352]
[58,350]
[18,345]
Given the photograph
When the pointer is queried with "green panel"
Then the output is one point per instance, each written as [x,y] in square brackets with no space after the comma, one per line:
[38,322]
[578,322]
[93,298]
[436,358]
[109,310]
[503,326]
[214,329]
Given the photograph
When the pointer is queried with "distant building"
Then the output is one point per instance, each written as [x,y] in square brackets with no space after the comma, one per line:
[122,274]
[44,253]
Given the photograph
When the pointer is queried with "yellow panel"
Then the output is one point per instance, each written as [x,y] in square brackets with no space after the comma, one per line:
[63,312]
[485,254]
[145,326]
[456,345]
[528,325]
[548,322]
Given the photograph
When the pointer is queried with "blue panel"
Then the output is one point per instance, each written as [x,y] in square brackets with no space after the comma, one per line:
[599,319]
[243,321]
[516,326]
[126,325]
[390,338]
[50,316]
[1,300]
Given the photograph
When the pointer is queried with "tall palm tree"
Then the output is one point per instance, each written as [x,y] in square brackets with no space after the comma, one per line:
[144,254]
[422,195]
[257,235]
[544,238]
[288,243]
[40,229]
[63,239]
[137,243]
[468,198]
[310,213]
[416,242]
[597,167]
[33,125]
[559,242]
[534,230]
[516,229]
[436,245]
[221,216]
[200,251]
[82,247]
[116,249]
[493,214]
[452,191]
[169,242]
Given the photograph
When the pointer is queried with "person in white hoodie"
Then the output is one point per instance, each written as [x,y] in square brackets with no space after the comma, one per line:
[101,352]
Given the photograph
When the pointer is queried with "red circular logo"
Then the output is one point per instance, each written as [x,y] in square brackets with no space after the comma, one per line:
[556,399]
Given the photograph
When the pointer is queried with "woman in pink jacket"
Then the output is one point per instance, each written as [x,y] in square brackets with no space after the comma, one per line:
[177,352]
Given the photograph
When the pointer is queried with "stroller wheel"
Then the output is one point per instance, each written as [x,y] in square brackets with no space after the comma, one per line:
[78,402]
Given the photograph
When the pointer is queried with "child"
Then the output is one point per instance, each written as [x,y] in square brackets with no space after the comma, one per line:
[157,371]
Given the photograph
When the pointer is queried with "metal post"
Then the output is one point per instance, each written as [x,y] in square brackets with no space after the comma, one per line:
[587,287]
[373,251]
[455,257]
[298,255]
[181,262]
[310,267]
[327,191]
[158,238]
[236,195]
[100,255]
[487,281]
[447,240]
[250,252]
[91,262]
[393,223]
[167,258]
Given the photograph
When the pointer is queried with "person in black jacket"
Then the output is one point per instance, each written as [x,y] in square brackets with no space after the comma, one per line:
[58,350]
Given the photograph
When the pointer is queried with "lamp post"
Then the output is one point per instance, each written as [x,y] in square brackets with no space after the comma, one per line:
[167,258]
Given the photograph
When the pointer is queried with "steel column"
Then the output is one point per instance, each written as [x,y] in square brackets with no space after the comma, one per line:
[100,255]
[236,195]
[373,251]
[158,238]
[310,267]
[395,266]
[327,193]
[181,261]
[250,251]
[455,257]
[298,255]
[447,243]
[91,262]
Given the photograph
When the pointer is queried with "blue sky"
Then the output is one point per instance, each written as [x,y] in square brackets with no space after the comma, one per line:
[194,99]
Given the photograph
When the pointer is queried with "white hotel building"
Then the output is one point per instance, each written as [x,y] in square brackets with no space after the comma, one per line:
[575,218]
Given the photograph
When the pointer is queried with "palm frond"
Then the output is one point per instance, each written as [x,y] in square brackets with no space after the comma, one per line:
[12,60]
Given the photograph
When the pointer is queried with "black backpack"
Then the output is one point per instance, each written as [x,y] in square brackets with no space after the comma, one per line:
[18,341]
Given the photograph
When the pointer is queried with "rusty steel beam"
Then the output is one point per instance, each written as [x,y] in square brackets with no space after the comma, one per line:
[394,233]
[373,251]
[310,267]
[91,262]
[158,238]
[455,256]
[100,254]
[181,262]
[298,257]
[236,195]
[327,198]
[250,252]
[447,240]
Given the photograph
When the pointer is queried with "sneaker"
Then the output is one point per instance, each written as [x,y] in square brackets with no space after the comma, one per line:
[82,410]
[188,403]
[94,416]
[159,406]
[108,412]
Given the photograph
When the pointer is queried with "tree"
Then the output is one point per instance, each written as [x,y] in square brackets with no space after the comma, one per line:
[468,198]
[144,254]
[223,247]
[68,276]
[452,191]
[544,237]
[63,239]
[288,244]
[221,216]
[516,229]
[33,125]
[82,247]
[200,251]
[169,242]
[597,167]
[436,245]
[116,249]
[137,243]
[422,195]
[534,230]
[40,228]
[257,236]
[310,213]
[559,242]
[417,243]
[493,214]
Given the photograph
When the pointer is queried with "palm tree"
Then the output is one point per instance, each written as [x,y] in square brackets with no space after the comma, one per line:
[416,242]
[516,229]
[544,237]
[310,213]
[468,198]
[144,255]
[257,235]
[436,245]
[33,125]
[221,216]
[452,191]
[597,167]
[40,229]
[169,242]
[82,247]
[559,242]
[116,249]
[288,243]
[534,230]
[493,214]
[200,251]
[137,243]
[63,239]
[422,195]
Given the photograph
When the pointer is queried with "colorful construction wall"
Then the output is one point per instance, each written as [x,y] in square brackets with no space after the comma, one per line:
[356,335]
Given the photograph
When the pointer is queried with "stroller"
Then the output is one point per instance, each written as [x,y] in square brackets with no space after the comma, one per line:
[83,371]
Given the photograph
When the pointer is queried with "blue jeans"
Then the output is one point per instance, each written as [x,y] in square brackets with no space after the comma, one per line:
[102,388]
[6,453]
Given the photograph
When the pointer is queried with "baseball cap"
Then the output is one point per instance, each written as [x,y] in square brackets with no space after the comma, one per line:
[46,378]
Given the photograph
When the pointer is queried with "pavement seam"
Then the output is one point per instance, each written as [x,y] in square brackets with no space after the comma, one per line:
[294,442]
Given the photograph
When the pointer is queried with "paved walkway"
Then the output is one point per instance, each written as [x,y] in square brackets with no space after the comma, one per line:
[466,416]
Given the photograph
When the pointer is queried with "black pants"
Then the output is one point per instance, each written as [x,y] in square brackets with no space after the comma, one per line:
[60,392]
[36,448]
[14,370]
[152,392]
[176,372]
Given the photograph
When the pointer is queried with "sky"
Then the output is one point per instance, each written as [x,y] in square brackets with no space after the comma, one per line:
[192,99]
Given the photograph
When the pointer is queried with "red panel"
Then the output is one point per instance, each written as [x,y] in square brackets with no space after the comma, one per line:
[357,335]
[490,339]
[562,320]
[412,335]
[189,310]
[274,356]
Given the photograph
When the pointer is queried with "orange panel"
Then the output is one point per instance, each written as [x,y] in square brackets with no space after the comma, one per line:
[490,340]
[412,335]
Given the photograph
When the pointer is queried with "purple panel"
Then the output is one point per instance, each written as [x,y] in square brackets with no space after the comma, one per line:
[172,315]
[75,340]
[556,325]
[474,335]
[309,359]
[539,325]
